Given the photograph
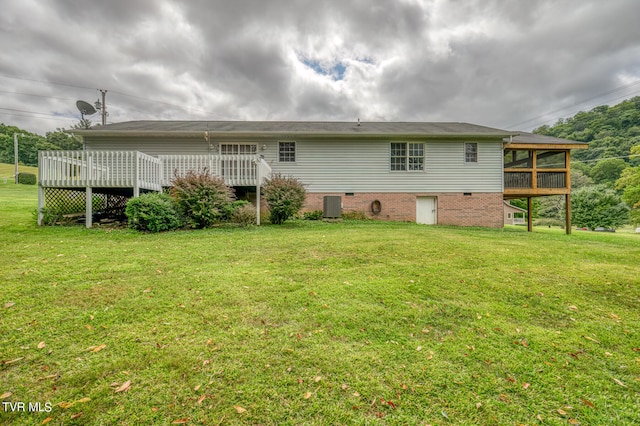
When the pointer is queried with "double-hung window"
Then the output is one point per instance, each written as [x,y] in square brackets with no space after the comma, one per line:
[470,152]
[407,156]
[287,152]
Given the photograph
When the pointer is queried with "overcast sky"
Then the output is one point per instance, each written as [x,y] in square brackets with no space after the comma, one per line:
[502,63]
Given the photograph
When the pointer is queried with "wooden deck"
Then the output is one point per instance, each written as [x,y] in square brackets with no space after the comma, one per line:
[135,171]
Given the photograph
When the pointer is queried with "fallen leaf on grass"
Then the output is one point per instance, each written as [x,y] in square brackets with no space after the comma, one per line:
[504,398]
[83,400]
[65,405]
[526,385]
[478,404]
[573,307]
[125,387]
[75,416]
[196,388]
[591,338]
[11,361]
[561,412]
[620,383]
[588,403]
[8,305]
[317,379]
[95,349]
[6,395]
[356,394]
[180,421]
[573,422]
[307,395]
[239,409]
[344,386]
[41,345]
[201,399]
[47,420]
[146,290]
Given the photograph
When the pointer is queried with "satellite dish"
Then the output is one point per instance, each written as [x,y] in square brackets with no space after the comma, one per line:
[85,108]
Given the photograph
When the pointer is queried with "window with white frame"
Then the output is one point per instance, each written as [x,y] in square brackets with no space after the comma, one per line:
[287,152]
[471,152]
[407,156]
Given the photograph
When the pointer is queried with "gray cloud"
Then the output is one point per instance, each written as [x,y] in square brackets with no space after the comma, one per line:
[491,62]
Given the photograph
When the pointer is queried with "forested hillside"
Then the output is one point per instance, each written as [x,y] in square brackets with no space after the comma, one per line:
[611,164]
[30,143]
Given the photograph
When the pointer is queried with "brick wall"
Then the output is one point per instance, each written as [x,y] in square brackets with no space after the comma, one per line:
[477,209]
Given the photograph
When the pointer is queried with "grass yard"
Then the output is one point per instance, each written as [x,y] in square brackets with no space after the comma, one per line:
[316,323]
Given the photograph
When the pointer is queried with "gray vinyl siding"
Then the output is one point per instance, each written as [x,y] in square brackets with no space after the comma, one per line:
[364,166]
[150,146]
[349,165]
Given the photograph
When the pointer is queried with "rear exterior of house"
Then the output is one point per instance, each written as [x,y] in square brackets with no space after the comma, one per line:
[431,173]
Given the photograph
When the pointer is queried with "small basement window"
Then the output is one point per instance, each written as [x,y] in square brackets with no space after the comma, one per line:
[287,152]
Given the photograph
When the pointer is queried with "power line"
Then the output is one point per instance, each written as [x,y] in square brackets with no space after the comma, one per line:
[634,83]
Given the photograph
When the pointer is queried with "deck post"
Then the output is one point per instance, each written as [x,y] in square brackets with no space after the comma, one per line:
[529,215]
[89,207]
[258,183]
[567,213]
[40,204]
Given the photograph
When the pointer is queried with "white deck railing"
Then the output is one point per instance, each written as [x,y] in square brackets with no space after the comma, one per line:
[134,169]
[119,169]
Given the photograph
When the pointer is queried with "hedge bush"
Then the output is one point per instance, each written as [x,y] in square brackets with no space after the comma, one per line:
[202,199]
[285,197]
[245,215]
[153,212]
[26,178]
[313,215]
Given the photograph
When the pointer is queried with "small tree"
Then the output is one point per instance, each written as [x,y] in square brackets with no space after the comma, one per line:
[595,206]
[202,199]
[285,197]
[629,183]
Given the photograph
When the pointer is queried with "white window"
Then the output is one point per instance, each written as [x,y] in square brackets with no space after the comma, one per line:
[471,152]
[286,152]
[407,156]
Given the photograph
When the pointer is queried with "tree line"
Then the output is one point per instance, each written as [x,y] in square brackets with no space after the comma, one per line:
[30,143]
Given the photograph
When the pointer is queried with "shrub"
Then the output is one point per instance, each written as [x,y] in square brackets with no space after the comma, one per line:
[153,212]
[202,199]
[27,178]
[244,215]
[230,209]
[285,197]
[355,215]
[314,215]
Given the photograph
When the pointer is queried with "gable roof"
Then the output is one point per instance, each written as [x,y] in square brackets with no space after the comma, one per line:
[323,129]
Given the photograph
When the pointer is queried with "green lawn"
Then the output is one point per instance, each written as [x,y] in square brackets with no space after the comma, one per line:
[317,323]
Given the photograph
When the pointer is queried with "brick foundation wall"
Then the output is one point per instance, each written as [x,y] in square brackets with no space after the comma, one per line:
[477,209]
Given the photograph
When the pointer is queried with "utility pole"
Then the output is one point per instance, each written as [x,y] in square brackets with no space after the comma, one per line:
[15,154]
[104,106]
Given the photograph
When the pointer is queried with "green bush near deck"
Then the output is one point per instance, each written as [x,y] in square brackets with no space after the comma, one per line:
[285,197]
[202,199]
[153,212]
[27,178]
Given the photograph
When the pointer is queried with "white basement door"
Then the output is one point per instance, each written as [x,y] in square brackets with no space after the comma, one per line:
[426,210]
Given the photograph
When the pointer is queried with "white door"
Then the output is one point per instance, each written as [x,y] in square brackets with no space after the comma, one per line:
[426,210]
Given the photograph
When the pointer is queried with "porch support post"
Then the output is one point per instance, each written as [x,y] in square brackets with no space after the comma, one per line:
[258,184]
[529,215]
[567,213]
[40,204]
[89,208]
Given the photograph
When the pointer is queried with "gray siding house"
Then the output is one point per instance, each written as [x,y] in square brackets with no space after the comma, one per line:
[432,173]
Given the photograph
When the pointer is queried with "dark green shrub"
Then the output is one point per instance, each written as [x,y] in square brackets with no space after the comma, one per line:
[314,215]
[153,212]
[355,215]
[244,215]
[285,197]
[230,209]
[27,178]
[202,199]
